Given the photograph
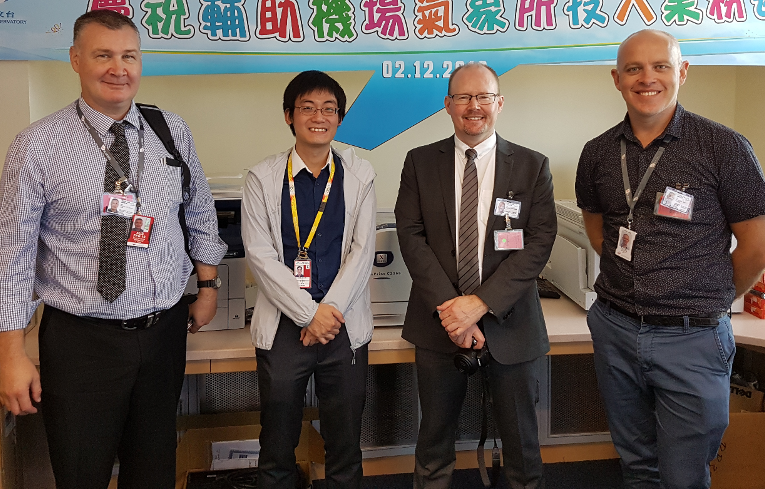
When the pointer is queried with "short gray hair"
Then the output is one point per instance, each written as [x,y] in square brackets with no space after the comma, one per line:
[107,18]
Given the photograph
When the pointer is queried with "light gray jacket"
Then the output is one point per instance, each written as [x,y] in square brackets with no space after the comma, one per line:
[278,291]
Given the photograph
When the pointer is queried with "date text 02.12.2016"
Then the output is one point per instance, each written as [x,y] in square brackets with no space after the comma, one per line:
[422,69]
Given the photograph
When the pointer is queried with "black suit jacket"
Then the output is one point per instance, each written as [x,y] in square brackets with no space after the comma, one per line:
[425,218]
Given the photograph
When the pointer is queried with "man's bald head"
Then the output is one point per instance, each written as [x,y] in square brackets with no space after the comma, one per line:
[649,72]
[674,46]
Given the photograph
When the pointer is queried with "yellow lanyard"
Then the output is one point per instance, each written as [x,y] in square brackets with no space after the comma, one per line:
[303,251]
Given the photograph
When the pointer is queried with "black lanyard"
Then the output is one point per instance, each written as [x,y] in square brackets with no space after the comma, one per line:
[113,162]
[631,201]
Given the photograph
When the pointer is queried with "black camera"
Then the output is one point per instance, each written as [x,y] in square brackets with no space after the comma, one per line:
[468,360]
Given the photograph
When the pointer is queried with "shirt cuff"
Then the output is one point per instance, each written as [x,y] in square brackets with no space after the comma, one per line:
[16,315]
[207,251]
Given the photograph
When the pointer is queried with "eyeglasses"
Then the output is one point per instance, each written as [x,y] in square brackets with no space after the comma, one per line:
[325,111]
[482,98]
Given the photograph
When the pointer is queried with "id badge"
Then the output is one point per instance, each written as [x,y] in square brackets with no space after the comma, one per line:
[624,245]
[122,205]
[303,273]
[140,231]
[505,207]
[674,203]
[508,239]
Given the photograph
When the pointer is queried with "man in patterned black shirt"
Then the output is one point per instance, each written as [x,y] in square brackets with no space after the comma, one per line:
[660,329]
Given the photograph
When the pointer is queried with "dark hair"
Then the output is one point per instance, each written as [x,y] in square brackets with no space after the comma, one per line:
[460,68]
[107,18]
[311,81]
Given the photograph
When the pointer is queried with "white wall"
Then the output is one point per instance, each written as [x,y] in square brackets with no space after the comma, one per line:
[14,101]
[237,119]
[750,106]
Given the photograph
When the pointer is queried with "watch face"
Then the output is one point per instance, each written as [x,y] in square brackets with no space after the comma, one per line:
[218,282]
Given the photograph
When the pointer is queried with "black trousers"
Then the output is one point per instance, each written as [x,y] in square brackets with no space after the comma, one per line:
[340,376]
[442,389]
[107,391]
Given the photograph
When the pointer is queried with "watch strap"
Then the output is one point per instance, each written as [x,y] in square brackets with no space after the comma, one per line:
[214,283]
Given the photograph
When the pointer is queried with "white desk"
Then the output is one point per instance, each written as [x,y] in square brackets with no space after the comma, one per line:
[232,350]
[566,328]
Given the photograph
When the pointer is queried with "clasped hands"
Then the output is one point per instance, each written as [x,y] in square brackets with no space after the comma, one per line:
[324,326]
[459,317]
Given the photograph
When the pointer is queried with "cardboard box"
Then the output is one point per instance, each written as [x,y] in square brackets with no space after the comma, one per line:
[238,454]
[198,433]
[740,462]
[746,399]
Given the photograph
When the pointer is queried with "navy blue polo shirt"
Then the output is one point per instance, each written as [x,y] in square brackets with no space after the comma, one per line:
[326,248]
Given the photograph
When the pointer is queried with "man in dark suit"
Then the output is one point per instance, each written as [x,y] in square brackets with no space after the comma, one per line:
[462,298]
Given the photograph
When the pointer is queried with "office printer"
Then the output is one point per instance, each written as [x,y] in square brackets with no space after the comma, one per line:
[574,265]
[228,206]
[389,283]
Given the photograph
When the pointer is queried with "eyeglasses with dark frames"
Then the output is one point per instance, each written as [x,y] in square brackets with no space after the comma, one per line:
[482,98]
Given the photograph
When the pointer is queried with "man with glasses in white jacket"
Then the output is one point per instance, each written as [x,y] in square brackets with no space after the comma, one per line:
[311,209]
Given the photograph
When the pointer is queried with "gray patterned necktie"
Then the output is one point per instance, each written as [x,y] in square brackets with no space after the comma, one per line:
[467,267]
[114,229]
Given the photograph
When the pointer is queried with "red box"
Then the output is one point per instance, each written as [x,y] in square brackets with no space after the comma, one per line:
[754,305]
[755,297]
[754,310]
[760,284]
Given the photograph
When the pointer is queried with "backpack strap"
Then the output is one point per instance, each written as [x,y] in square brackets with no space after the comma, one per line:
[158,124]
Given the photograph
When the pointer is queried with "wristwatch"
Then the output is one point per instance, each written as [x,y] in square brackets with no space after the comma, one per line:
[214,283]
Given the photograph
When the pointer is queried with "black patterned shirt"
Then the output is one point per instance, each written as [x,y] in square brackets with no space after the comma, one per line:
[678,267]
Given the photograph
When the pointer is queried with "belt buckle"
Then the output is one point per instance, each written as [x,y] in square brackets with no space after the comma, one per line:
[150,320]
[125,326]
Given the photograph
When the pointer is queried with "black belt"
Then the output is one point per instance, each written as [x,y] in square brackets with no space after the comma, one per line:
[143,322]
[711,319]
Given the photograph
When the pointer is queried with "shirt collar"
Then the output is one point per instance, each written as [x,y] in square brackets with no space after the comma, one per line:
[103,122]
[298,163]
[674,128]
[482,148]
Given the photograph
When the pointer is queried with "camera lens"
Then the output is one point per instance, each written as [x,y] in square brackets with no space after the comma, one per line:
[465,360]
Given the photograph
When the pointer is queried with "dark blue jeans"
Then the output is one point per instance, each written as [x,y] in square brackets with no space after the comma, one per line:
[666,392]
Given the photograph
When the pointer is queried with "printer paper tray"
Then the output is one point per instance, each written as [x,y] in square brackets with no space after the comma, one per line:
[388,313]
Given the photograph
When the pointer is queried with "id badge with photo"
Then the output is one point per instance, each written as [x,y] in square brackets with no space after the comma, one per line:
[674,203]
[508,239]
[140,231]
[625,242]
[122,205]
[505,207]
[303,273]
